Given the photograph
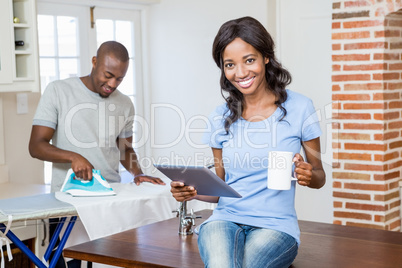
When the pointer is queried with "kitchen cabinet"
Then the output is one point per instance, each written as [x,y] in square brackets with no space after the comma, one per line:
[19,64]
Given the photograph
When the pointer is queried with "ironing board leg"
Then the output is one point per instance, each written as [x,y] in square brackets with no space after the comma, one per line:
[59,249]
[23,247]
[54,238]
[63,241]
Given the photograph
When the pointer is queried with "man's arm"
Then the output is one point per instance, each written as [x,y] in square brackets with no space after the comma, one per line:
[40,148]
[129,160]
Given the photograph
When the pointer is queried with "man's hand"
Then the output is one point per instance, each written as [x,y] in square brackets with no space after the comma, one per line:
[81,167]
[144,178]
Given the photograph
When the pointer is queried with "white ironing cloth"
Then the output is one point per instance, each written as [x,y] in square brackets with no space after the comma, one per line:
[131,207]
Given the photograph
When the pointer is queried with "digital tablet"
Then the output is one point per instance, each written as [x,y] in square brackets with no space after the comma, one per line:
[201,178]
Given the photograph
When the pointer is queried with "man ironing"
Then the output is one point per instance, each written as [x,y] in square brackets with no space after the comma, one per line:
[89,122]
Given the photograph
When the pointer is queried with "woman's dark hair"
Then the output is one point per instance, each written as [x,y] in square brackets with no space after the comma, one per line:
[253,32]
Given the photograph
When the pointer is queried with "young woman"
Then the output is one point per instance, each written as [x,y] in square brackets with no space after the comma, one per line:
[260,115]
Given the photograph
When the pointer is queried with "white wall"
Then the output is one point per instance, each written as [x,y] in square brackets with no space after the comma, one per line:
[183,73]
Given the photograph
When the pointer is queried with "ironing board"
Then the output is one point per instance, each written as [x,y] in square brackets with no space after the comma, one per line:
[132,207]
[38,207]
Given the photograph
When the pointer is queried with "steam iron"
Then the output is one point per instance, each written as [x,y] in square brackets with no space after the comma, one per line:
[98,186]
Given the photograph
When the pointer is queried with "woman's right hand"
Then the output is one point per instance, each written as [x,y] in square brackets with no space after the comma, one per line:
[182,192]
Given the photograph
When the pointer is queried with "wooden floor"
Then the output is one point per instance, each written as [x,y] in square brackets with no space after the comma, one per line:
[323,245]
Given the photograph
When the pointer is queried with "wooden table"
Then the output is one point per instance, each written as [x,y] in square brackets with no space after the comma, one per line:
[323,245]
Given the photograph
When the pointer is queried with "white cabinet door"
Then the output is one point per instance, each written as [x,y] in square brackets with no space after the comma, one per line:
[5,44]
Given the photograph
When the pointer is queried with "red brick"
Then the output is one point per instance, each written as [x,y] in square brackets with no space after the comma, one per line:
[336,88]
[362,167]
[344,195]
[350,97]
[394,226]
[386,96]
[364,106]
[351,136]
[386,76]
[353,156]
[336,184]
[386,56]
[368,207]
[336,145]
[395,125]
[392,33]
[365,67]
[387,176]
[387,33]
[386,116]
[351,77]
[396,144]
[352,215]
[389,135]
[356,3]
[366,45]
[366,187]
[336,68]
[395,66]
[336,165]
[386,157]
[386,197]
[392,86]
[336,25]
[336,46]
[394,22]
[335,125]
[395,204]
[363,126]
[365,86]
[368,147]
[395,45]
[348,15]
[391,215]
[364,23]
[396,164]
[336,105]
[343,116]
[395,104]
[379,218]
[351,57]
[351,176]
[337,204]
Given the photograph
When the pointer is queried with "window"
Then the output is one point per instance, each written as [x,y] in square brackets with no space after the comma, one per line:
[58,49]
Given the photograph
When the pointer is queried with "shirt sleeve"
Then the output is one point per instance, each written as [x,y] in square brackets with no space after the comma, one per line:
[215,134]
[311,124]
[127,131]
[47,110]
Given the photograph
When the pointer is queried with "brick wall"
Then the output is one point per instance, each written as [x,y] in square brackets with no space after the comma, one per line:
[367,102]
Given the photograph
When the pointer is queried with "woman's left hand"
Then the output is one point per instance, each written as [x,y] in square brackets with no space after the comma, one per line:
[303,170]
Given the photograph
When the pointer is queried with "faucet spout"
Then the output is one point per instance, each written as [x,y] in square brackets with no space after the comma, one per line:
[187,221]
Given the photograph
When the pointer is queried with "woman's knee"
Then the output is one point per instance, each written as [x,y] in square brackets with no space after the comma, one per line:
[220,243]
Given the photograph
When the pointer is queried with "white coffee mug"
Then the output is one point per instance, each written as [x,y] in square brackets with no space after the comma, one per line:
[280,166]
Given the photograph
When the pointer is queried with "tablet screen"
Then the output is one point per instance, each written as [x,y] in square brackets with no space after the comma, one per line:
[201,178]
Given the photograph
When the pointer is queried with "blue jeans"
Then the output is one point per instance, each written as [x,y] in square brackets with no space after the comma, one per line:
[227,244]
